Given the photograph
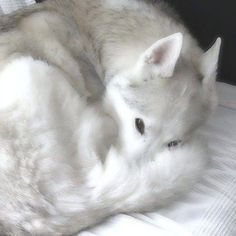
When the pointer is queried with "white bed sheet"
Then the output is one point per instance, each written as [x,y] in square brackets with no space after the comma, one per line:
[7,6]
[210,208]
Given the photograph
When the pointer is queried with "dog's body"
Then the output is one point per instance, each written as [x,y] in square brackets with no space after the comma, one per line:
[67,163]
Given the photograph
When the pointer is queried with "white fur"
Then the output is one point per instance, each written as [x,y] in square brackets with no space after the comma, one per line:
[62,160]
[40,113]
[163,55]
[68,163]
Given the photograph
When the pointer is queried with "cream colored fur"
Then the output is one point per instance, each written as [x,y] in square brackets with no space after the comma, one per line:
[71,154]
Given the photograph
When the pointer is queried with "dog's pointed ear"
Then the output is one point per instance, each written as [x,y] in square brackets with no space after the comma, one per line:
[163,55]
[209,63]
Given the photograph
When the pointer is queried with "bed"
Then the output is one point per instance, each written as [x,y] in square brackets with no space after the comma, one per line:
[210,208]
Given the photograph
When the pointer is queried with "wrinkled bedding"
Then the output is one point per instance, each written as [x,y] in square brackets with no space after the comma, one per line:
[7,6]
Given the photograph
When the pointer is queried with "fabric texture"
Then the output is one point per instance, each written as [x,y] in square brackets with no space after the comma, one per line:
[7,6]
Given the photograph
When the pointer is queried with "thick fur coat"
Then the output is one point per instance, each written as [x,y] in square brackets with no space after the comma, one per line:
[72,154]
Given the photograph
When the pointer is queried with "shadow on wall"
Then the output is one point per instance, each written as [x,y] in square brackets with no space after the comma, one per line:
[207,20]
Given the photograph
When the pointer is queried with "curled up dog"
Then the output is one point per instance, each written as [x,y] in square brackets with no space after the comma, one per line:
[69,158]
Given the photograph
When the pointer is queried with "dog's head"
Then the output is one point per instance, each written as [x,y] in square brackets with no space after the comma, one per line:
[164,98]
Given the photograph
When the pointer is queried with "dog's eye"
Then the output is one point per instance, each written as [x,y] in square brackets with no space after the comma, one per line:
[140,126]
[173,144]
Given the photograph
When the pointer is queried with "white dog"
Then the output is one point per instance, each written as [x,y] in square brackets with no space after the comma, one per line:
[66,163]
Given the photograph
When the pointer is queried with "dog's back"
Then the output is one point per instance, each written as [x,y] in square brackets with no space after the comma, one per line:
[43,32]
